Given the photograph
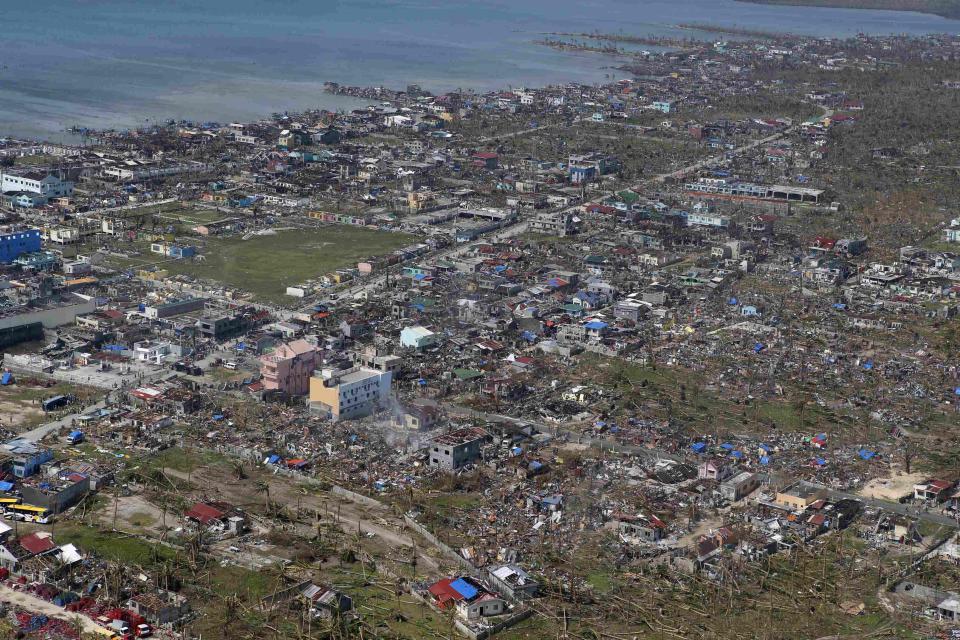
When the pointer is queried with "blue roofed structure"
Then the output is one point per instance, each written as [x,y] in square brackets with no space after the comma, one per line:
[464,588]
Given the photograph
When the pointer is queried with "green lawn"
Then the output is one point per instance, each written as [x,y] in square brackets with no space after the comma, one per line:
[266,265]
[112,546]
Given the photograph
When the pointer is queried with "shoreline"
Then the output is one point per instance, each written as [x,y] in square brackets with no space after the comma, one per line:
[949,9]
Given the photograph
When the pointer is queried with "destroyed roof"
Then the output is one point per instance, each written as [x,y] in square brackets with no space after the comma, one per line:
[205,513]
[37,542]
[461,436]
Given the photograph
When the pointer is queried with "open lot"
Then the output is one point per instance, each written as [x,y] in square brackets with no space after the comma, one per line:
[20,402]
[266,265]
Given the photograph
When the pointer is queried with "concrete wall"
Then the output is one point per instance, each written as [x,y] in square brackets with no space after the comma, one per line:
[50,318]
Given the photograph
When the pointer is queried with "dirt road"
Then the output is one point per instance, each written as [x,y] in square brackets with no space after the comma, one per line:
[388,531]
[35,604]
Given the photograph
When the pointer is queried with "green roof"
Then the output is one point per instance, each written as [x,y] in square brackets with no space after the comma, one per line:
[467,374]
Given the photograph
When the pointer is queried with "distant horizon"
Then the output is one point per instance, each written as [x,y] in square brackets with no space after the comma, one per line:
[118,65]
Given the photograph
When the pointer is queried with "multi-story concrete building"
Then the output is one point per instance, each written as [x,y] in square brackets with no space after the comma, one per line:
[46,185]
[456,449]
[13,244]
[349,393]
[289,368]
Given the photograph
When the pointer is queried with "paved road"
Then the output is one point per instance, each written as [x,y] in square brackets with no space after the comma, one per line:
[523,132]
[895,507]
[39,433]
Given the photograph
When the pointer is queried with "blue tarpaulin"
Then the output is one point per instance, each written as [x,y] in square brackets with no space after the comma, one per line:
[464,588]
[736,454]
[757,348]
[6,486]
[764,459]
[7,378]
[726,446]
[274,459]
[866,454]
[596,325]
[218,417]
[868,365]
[766,447]
[698,447]
[732,301]
[820,461]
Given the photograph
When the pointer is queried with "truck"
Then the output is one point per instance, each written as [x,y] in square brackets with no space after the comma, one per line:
[120,626]
[75,437]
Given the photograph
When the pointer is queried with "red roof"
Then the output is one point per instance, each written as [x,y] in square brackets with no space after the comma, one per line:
[204,513]
[444,593]
[37,542]
[486,155]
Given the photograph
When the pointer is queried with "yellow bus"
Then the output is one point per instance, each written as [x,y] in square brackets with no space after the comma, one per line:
[8,501]
[31,513]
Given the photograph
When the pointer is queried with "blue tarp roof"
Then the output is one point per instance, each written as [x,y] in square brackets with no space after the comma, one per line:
[736,454]
[464,588]
[868,365]
[866,454]
[6,486]
[820,461]
[218,417]
[596,324]
[76,434]
[274,459]
[727,446]
[757,348]
[732,301]
[7,378]
[766,447]
[764,459]
[698,447]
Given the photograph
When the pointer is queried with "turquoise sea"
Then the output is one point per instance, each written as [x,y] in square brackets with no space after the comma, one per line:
[124,63]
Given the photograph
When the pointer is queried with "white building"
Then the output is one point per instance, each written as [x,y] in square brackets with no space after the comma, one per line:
[148,351]
[45,184]
[417,337]
[707,220]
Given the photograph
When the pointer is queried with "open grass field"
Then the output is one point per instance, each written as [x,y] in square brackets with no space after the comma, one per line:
[266,265]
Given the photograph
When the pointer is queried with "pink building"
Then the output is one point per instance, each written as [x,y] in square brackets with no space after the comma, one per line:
[288,369]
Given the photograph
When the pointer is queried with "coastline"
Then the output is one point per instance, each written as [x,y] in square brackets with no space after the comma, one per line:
[949,9]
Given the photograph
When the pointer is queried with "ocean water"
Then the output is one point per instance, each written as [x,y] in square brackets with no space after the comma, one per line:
[125,63]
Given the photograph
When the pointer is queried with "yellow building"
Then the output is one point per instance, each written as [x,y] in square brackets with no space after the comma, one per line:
[798,496]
